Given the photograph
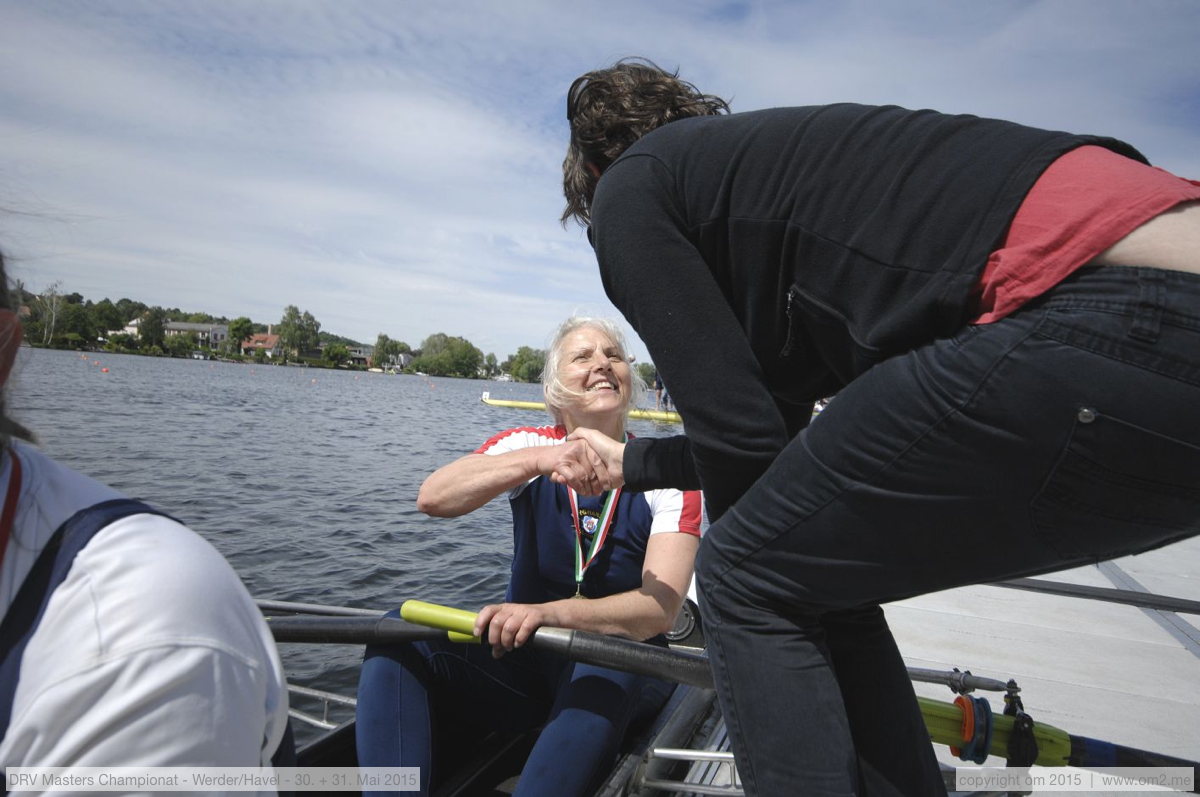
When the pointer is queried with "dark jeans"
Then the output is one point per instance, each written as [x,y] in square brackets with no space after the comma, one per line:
[1065,434]
[416,700]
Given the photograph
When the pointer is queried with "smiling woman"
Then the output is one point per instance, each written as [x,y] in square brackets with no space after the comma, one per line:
[629,552]
[589,356]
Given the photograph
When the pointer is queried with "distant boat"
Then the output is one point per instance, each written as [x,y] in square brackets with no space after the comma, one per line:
[663,416]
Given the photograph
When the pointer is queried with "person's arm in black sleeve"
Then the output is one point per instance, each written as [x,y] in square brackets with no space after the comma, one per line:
[653,463]
[654,274]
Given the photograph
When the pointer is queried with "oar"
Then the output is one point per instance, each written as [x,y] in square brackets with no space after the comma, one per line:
[269,607]
[582,646]
[338,625]
[944,721]
[438,621]
[1144,600]
[1056,747]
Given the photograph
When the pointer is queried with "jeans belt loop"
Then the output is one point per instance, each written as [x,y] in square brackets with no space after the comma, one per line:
[1147,316]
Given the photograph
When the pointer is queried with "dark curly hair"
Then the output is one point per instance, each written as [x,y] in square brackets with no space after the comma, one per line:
[609,109]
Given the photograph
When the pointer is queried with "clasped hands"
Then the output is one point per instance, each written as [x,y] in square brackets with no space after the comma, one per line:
[590,462]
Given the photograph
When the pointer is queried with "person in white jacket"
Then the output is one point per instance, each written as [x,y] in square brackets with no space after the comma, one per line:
[125,638]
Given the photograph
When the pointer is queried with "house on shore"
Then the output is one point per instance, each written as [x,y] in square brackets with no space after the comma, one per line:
[210,336]
[264,342]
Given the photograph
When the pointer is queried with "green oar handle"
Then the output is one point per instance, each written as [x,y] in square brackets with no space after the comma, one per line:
[459,624]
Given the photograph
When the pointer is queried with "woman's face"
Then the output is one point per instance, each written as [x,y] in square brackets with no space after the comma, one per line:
[594,366]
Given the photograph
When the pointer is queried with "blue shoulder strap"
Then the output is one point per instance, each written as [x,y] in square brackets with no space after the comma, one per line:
[51,569]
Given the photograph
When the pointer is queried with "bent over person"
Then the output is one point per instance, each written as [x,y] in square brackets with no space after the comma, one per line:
[618,564]
[125,638]
[1010,318]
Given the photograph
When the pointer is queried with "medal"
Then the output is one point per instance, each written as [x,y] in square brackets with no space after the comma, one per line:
[596,528]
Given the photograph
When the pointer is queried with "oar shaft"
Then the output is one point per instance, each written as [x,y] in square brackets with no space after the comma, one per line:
[581,646]
[349,630]
[288,607]
[625,654]
[1144,600]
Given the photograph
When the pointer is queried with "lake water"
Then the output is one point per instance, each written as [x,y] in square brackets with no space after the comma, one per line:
[305,479]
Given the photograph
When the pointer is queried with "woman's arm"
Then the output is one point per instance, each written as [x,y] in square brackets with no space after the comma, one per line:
[637,614]
[471,481]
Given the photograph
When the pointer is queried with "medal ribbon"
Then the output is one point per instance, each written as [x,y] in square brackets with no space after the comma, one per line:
[605,523]
[10,503]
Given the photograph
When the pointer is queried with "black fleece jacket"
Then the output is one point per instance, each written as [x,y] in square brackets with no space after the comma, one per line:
[768,258]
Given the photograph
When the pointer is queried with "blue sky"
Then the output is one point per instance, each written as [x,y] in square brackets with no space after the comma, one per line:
[394,166]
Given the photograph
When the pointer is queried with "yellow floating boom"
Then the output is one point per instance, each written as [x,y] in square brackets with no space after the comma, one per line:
[664,416]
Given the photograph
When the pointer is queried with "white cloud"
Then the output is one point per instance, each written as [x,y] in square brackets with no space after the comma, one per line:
[395,167]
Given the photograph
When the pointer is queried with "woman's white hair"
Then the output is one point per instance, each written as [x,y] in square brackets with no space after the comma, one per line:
[557,394]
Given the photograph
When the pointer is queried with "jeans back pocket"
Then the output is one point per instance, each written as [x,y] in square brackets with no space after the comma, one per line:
[1116,489]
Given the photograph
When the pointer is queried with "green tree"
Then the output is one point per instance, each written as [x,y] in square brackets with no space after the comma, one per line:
[647,372]
[310,331]
[289,331]
[336,354]
[298,332]
[75,321]
[49,305]
[490,366]
[442,355]
[525,365]
[239,329]
[181,345]
[388,351]
[152,328]
[324,337]
[122,341]
[435,344]
[130,310]
[108,317]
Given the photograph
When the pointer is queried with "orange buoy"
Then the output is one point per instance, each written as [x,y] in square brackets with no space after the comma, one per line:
[104,370]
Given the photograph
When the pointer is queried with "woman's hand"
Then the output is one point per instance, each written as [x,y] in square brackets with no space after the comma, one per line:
[510,625]
[593,469]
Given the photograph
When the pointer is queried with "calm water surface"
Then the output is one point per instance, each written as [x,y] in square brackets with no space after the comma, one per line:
[305,479]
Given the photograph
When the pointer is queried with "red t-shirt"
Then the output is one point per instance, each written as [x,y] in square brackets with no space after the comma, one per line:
[1085,202]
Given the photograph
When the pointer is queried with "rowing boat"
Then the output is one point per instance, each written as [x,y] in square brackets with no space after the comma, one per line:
[663,416]
[685,750]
